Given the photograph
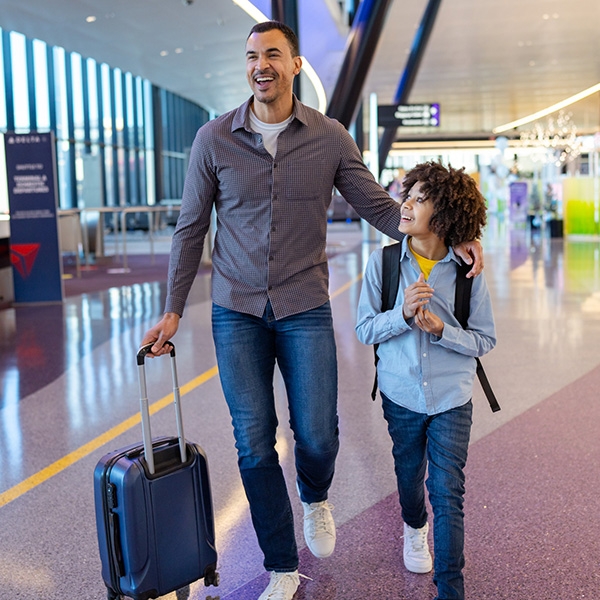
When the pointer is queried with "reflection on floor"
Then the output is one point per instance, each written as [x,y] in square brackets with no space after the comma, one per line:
[68,394]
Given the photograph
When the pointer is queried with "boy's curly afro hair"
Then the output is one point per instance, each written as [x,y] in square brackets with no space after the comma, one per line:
[459,211]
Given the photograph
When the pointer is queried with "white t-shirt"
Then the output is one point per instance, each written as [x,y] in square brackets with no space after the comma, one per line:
[269,131]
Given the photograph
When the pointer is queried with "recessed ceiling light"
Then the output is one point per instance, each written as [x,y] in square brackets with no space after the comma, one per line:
[90,19]
[545,16]
[164,52]
[178,50]
[532,63]
[207,75]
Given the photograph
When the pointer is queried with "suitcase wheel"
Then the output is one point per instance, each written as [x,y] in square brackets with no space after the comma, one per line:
[112,595]
[211,578]
[183,593]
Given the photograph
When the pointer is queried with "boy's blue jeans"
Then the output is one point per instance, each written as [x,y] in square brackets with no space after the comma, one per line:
[437,444]
[303,346]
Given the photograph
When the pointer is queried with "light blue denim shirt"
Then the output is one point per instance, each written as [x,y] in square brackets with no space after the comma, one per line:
[421,371]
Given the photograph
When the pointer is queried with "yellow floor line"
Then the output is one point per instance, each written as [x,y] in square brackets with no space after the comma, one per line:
[66,461]
[346,286]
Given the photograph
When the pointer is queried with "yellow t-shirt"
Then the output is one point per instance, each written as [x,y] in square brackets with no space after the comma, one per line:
[425,264]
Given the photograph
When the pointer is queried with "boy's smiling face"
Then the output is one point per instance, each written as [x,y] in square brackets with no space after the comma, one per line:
[416,213]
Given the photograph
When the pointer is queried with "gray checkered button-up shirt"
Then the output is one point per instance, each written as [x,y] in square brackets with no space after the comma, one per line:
[271,212]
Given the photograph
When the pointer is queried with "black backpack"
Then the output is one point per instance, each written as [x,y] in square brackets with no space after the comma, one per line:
[462,307]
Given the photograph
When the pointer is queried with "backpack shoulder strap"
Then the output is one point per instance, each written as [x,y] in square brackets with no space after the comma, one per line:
[462,294]
[462,310]
[390,282]
[390,276]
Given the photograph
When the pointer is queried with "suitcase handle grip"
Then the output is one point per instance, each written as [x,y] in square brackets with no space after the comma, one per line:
[144,350]
[145,410]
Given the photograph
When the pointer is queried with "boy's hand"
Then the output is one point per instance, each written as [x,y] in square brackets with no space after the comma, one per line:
[416,295]
[428,322]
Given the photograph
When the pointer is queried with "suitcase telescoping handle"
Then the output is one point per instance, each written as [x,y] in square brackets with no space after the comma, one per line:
[146,434]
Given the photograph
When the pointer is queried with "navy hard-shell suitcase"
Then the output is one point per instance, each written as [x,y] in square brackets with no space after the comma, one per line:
[154,511]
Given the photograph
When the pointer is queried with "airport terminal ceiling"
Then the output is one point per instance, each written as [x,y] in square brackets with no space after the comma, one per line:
[487,62]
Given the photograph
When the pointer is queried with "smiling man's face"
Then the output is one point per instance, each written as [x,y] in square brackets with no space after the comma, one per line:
[270,69]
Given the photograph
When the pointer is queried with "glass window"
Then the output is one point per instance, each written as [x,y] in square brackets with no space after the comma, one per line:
[3,183]
[93,100]
[106,103]
[42,103]
[108,176]
[77,81]
[118,120]
[139,97]
[149,142]
[60,85]
[3,122]
[129,108]
[19,82]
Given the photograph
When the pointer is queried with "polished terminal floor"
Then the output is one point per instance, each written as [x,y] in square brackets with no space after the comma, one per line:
[69,394]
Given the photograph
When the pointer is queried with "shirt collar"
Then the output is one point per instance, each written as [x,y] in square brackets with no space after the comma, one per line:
[241,118]
[406,253]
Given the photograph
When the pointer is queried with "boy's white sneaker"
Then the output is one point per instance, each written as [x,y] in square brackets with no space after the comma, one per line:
[282,586]
[417,558]
[319,528]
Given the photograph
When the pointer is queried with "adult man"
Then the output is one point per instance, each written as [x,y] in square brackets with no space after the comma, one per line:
[269,168]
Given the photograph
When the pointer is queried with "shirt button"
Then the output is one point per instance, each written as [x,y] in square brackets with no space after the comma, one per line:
[424,383]
[271,257]
[274,165]
[424,354]
[270,288]
[273,228]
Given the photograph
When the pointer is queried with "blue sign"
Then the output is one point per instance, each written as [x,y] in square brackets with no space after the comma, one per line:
[34,244]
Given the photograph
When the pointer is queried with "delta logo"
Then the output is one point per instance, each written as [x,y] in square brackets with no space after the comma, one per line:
[23,256]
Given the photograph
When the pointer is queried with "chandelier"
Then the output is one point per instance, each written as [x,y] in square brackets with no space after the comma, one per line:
[557,138]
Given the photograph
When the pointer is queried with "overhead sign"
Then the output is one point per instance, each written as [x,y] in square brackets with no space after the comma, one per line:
[409,115]
[34,247]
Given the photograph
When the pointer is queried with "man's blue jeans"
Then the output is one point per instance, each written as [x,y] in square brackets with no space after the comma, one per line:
[437,443]
[303,346]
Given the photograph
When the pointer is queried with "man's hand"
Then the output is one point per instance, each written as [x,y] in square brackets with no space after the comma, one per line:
[471,253]
[162,332]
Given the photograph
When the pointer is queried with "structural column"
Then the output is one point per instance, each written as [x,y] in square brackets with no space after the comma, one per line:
[286,11]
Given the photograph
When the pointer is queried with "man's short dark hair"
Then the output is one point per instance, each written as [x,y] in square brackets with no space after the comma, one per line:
[288,32]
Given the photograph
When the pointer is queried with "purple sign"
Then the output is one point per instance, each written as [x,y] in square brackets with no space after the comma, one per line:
[518,201]
[34,244]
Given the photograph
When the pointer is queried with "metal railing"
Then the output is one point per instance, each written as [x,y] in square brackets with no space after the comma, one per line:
[90,222]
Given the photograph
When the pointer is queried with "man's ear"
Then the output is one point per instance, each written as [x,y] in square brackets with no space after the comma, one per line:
[297,65]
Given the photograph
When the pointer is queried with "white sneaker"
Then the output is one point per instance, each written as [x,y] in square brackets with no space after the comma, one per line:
[319,528]
[282,586]
[417,558]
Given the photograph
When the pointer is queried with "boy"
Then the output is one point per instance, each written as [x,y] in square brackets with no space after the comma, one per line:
[426,363]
